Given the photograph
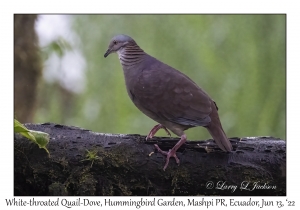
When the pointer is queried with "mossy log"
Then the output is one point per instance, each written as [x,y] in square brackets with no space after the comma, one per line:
[82,162]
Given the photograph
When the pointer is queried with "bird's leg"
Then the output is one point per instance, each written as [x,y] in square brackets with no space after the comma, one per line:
[172,152]
[155,129]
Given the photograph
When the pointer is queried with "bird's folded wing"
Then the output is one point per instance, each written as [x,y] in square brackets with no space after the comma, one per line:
[170,95]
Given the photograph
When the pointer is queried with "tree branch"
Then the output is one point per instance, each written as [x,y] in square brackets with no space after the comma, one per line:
[87,163]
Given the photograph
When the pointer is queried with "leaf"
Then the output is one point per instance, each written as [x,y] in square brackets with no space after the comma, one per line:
[42,139]
[38,137]
[21,129]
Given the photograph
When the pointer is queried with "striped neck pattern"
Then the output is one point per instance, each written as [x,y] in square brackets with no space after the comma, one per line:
[131,55]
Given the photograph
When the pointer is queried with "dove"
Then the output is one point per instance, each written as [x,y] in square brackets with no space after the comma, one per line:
[166,95]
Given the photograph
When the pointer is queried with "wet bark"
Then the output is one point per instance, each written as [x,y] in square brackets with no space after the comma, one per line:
[129,165]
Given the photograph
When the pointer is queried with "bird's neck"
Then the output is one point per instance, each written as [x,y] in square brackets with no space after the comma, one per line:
[131,55]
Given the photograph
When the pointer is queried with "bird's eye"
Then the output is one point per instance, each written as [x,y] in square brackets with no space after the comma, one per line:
[115,42]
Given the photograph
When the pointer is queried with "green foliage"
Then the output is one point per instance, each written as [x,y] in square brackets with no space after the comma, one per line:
[39,138]
[91,156]
[240,60]
[21,129]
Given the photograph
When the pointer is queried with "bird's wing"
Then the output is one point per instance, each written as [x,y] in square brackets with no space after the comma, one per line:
[170,95]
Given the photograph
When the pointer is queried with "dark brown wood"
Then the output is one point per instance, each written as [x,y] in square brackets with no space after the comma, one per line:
[129,165]
[27,67]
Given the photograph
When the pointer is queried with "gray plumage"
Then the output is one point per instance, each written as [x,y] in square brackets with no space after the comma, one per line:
[166,95]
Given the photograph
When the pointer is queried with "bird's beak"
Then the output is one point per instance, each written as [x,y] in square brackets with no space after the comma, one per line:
[107,53]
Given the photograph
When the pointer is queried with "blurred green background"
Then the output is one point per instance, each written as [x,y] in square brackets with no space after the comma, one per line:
[239,60]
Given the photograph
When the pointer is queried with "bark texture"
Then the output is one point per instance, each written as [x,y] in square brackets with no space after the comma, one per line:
[129,165]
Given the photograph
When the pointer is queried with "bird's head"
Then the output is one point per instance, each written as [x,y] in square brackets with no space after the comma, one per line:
[118,42]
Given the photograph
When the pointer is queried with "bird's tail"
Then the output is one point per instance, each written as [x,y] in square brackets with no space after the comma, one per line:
[216,131]
[218,134]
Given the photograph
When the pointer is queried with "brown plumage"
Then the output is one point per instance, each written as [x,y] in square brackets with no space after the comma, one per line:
[166,95]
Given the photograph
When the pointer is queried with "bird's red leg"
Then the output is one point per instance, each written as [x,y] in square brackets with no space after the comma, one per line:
[155,129]
[172,152]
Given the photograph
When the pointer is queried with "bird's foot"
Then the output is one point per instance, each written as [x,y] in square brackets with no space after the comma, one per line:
[155,129]
[171,153]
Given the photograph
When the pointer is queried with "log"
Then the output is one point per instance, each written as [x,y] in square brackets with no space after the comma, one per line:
[120,164]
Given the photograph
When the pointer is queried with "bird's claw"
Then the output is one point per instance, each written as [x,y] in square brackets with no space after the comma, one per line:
[169,154]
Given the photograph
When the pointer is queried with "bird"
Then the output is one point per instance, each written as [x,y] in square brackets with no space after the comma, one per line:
[167,96]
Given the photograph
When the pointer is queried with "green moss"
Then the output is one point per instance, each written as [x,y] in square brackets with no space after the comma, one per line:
[57,189]
[91,156]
